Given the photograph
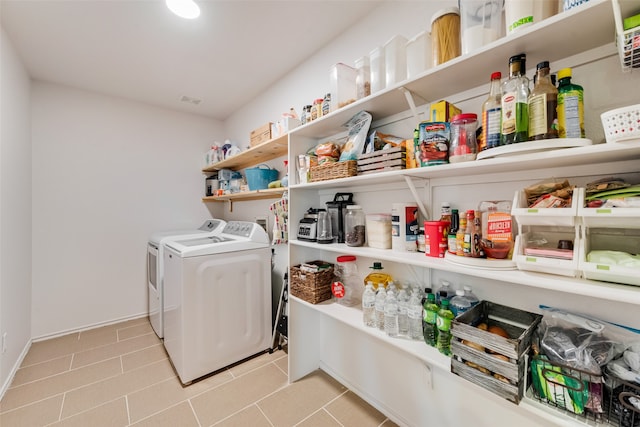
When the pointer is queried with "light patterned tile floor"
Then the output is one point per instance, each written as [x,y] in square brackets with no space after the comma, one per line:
[119,375]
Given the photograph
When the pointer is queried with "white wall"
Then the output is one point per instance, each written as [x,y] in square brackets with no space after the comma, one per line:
[107,172]
[15,209]
[311,79]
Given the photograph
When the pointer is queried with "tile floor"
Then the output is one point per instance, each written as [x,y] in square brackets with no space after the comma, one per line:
[120,375]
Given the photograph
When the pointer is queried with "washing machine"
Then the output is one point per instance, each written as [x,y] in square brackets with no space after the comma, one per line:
[217,307]
[155,267]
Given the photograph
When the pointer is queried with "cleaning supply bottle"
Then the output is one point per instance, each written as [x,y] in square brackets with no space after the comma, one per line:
[570,106]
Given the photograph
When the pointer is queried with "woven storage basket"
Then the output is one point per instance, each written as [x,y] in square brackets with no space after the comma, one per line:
[335,170]
[309,286]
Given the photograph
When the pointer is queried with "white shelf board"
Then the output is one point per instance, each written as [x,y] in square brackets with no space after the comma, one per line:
[575,156]
[590,288]
[352,316]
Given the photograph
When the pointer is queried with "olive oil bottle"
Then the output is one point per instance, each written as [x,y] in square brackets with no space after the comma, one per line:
[514,103]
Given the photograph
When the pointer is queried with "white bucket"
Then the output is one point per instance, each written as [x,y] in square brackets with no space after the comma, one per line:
[404,227]
[522,13]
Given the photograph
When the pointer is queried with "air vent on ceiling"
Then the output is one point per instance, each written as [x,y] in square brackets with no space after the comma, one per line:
[190,100]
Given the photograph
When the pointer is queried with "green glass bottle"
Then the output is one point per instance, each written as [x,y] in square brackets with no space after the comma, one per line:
[514,126]
[443,322]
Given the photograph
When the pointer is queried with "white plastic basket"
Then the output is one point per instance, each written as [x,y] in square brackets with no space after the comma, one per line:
[622,124]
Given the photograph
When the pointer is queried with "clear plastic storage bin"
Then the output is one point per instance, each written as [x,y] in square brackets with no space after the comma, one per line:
[546,264]
[342,80]
[546,216]
[620,240]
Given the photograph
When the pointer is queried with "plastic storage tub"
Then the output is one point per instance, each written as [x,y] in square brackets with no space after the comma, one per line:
[258,178]
[543,264]
[546,216]
[378,228]
[342,79]
[625,240]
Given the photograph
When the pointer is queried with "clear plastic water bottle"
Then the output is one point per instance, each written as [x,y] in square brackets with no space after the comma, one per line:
[443,321]
[459,303]
[414,314]
[391,314]
[369,305]
[468,293]
[447,289]
[403,320]
[381,296]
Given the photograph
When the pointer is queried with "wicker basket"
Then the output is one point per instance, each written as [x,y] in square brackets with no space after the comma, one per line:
[335,170]
[313,287]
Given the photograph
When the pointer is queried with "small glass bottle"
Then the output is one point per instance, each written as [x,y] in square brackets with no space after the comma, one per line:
[316,109]
[326,104]
[354,226]
[471,236]
[491,111]
[543,100]
[453,230]
[514,103]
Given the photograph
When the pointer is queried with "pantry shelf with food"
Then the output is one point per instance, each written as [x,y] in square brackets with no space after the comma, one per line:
[332,337]
[269,150]
[569,285]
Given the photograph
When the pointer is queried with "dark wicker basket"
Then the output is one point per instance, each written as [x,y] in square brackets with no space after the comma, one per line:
[313,287]
[335,170]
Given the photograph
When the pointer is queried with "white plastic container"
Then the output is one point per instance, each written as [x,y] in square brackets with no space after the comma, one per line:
[625,240]
[404,227]
[378,65]
[395,56]
[378,228]
[522,13]
[480,23]
[541,264]
[546,216]
[418,54]
[342,81]
[363,77]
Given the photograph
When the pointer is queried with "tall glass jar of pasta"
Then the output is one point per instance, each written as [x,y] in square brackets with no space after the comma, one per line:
[445,35]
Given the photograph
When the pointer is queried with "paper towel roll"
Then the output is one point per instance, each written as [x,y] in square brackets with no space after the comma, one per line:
[404,227]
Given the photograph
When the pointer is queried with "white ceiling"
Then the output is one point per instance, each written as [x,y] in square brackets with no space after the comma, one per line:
[139,50]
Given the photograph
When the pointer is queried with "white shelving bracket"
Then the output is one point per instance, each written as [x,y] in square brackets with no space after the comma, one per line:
[412,105]
[414,193]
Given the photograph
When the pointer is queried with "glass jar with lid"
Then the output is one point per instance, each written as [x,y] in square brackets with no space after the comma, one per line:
[463,145]
[354,226]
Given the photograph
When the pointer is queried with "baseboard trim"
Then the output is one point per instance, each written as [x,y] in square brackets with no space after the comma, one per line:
[15,368]
[89,327]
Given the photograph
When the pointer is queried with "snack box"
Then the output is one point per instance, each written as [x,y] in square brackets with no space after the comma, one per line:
[431,143]
[261,134]
[442,111]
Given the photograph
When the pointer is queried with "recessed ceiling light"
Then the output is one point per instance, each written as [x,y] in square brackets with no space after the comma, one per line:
[184,8]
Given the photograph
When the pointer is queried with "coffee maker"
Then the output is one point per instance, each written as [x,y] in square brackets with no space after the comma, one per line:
[338,209]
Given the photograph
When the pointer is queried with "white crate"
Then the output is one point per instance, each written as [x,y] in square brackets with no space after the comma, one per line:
[561,217]
[625,240]
[609,217]
[562,267]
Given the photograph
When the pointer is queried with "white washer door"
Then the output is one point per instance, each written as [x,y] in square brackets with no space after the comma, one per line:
[155,291]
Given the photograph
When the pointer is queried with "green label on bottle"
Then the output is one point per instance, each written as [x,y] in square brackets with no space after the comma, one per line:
[443,323]
[430,317]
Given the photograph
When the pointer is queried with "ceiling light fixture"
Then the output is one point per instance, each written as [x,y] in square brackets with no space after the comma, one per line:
[187,9]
